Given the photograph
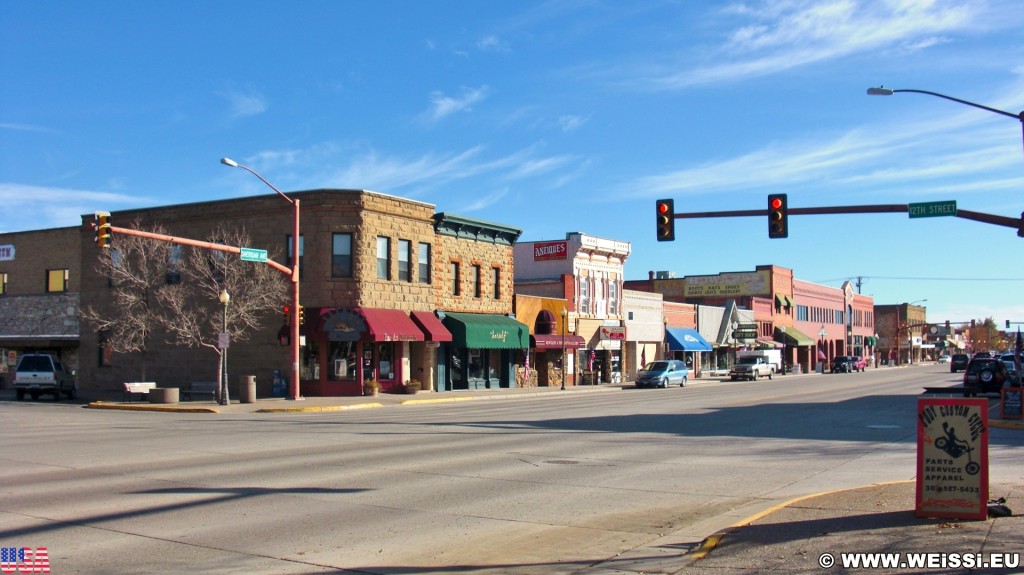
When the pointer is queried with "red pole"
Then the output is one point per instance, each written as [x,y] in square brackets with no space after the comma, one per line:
[294,387]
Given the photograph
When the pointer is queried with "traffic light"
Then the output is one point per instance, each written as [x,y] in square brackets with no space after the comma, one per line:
[778,216]
[947,327]
[666,220]
[102,229]
[286,311]
[302,315]
[1007,324]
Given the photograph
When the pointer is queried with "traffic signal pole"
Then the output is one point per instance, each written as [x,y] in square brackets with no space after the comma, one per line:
[1015,223]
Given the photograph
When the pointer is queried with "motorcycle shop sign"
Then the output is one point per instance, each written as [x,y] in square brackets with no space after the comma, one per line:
[952,458]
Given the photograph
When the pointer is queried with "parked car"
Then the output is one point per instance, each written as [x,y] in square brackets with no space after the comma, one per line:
[859,363]
[1011,366]
[842,364]
[943,359]
[663,373]
[959,362]
[39,373]
[984,374]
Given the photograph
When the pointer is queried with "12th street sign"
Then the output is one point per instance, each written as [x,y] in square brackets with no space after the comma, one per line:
[253,255]
[932,209]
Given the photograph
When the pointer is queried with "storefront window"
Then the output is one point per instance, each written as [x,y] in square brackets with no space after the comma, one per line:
[476,365]
[342,361]
[493,363]
[310,361]
[385,361]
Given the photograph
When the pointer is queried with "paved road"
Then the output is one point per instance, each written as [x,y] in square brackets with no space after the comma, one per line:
[559,485]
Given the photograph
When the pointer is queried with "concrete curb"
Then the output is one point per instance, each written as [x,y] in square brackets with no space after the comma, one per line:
[319,408]
[711,542]
[143,407]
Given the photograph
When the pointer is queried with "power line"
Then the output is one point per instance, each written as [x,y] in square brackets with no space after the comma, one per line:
[924,279]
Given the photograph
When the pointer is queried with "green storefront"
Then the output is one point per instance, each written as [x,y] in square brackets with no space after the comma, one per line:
[483,351]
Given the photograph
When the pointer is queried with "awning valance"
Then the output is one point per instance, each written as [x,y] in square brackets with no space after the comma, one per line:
[793,336]
[555,341]
[486,331]
[686,339]
[389,324]
[431,327]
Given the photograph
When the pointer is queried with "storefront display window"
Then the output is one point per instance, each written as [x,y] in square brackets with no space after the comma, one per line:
[493,363]
[476,365]
[310,364]
[342,362]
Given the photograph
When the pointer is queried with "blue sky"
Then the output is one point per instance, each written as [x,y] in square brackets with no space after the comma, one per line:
[551,117]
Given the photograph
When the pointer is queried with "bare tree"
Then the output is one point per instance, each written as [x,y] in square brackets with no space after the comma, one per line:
[137,269]
[194,314]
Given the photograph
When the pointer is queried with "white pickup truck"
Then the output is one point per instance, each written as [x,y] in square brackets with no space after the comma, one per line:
[40,373]
[751,367]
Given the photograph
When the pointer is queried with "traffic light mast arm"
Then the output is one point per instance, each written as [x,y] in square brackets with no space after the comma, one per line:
[195,243]
[1004,221]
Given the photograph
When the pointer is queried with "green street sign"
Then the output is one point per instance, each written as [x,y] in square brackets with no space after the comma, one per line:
[253,255]
[932,209]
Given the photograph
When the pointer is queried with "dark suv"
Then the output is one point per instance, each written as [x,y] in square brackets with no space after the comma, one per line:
[959,362]
[985,375]
[843,364]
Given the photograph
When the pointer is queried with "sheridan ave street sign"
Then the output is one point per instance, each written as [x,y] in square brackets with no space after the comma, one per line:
[932,209]
[253,255]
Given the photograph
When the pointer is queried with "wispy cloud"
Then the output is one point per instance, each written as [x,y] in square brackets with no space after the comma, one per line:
[776,36]
[485,201]
[443,106]
[28,128]
[571,123]
[492,43]
[244,102]
[39,207]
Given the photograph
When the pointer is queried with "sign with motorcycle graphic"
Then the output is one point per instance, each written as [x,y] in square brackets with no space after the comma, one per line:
[952,458]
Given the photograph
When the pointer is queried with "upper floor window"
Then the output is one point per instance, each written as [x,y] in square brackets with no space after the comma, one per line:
[341,255]
[613,297]
[383,258]
[455,278]
[496,282]
[404,260]
[424,264]
[476,280]
[302,252]
[3,284]
[584,295]
[56,280]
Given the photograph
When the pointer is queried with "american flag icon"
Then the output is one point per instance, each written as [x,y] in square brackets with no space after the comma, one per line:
[24,560]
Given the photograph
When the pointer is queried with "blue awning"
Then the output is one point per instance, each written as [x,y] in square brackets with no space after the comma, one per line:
[686,339]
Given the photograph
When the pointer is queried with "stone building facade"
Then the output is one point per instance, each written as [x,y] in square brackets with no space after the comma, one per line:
[373,278]
[40,284]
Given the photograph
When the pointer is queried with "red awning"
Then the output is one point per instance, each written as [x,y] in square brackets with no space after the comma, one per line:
[555,341]
[390,325]
[431,326]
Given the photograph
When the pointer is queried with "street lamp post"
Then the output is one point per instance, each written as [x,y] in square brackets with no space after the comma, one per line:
[293,384]
[880,91]
[821,349]
[565,316]
[224,298]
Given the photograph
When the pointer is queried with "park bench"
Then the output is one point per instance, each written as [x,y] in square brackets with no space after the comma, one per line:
[140,388]
[201,388]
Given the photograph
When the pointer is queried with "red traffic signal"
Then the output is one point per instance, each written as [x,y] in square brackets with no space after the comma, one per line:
[666,226]
[286,310]
[778,216]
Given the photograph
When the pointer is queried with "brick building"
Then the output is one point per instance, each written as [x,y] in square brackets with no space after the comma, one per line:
[391,291]
[40,281]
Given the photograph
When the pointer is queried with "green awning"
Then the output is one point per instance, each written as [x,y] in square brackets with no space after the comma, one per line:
[486,331]
[789,301]
[780,299]
[793,336]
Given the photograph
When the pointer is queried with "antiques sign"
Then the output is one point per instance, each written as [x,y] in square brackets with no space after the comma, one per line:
[550,251]
[952,458]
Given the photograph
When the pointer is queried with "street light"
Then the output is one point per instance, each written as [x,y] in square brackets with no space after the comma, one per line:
[821,349]
[224,298]
[880,91]
[565,315]
[293,384]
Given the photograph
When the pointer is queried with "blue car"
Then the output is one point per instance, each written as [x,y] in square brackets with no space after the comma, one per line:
[663,373]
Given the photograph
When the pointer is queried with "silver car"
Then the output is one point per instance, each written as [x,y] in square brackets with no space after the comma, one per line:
[663,373]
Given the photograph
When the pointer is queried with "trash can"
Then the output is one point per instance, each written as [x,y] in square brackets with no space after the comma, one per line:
[247,389]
